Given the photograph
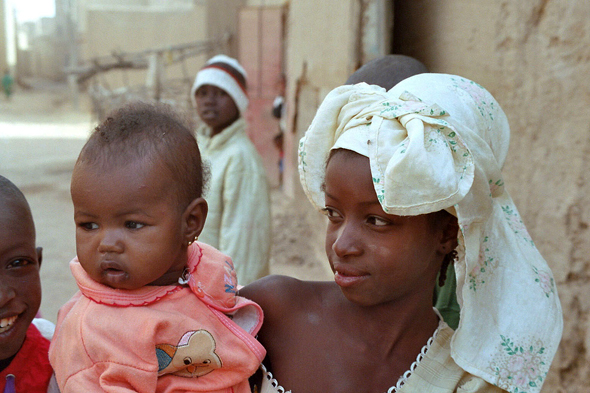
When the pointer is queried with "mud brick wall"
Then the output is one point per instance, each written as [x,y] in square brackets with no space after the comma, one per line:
[534,56]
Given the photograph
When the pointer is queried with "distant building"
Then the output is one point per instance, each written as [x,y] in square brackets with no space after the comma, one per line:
[3,46]
[37,54]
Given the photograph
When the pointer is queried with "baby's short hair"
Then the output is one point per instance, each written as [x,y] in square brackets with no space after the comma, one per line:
[151,130]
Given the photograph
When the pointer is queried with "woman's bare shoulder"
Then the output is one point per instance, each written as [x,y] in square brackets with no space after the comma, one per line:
[282,295]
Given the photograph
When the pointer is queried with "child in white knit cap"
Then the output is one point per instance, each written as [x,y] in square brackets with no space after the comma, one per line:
[238,193]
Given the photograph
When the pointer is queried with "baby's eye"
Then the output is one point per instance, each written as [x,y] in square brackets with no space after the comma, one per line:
[133,225]
[378,221]
[89,226]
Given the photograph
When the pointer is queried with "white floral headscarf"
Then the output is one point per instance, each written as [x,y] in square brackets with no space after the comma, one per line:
[434,142]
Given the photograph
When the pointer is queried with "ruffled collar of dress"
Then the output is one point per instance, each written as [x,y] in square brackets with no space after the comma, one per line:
[103,294]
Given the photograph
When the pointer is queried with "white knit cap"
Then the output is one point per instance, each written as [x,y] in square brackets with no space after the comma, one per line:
[226,73]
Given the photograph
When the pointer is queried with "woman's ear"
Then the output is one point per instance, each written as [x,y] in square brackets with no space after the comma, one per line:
[194,219]
[450,232]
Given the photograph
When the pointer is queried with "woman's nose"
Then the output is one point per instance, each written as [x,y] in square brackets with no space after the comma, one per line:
[347,242]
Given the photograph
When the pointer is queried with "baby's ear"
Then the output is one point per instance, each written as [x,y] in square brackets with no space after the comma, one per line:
[194,218]
[39,255]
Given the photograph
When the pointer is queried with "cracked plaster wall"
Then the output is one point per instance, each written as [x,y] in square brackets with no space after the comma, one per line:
[534,56]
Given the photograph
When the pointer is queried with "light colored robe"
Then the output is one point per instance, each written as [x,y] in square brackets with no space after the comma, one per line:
[238,222]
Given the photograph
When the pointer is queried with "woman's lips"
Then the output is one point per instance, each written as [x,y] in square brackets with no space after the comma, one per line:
[347,279]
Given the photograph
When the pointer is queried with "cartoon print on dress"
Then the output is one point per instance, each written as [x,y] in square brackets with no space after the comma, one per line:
[193,356]
[486,264]
[520,366]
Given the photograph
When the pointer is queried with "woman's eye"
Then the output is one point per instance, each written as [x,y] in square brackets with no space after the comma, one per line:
[133,225]
[378,221]
[88,225]
[330,213]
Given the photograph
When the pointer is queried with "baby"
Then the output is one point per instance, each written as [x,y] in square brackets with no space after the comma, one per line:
[152,311]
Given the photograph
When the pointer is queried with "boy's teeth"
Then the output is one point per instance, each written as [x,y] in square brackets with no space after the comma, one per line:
[6,322]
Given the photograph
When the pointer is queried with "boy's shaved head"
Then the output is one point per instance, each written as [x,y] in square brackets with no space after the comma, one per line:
[387,71]
[152,131]
[8,190]
[10,194]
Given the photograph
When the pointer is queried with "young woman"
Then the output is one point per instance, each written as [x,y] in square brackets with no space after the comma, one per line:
[406,177]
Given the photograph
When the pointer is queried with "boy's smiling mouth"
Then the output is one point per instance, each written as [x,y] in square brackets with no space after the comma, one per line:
[6,323]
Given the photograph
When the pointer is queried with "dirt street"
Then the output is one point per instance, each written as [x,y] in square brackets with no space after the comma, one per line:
[41,134]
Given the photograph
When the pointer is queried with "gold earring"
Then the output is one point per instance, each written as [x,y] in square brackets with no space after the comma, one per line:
[192,241]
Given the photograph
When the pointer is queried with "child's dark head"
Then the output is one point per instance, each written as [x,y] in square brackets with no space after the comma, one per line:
[153,132]
[387,71]
[219,92]
[136,189]
[20,286]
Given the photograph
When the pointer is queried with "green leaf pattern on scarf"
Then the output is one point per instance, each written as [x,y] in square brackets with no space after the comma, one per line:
[521,366]
[486,265]
[516,224]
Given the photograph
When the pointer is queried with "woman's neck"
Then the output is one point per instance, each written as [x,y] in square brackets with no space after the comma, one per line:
[392,322]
